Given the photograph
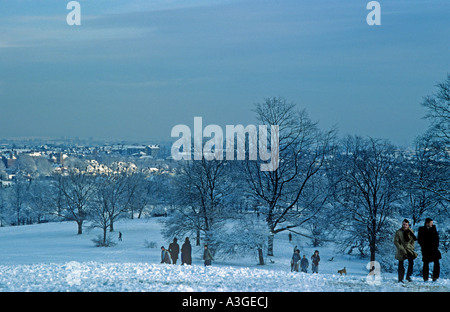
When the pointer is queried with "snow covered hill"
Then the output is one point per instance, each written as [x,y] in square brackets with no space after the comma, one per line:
[53,258]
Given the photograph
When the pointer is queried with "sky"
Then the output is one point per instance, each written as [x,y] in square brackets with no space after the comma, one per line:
[135,69]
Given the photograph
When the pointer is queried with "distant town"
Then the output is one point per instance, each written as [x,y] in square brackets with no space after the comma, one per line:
[50,155]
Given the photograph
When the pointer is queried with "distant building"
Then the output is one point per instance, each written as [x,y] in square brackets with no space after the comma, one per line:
[9,160]
[152,150]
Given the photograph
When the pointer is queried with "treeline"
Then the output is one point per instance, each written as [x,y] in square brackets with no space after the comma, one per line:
[353,191]
[85,191]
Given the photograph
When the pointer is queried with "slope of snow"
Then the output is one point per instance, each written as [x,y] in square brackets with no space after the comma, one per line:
[52,257]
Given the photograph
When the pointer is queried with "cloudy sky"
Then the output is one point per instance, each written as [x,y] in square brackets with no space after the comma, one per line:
[134,69]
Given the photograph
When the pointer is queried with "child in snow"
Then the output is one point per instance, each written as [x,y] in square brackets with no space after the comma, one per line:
[207,256]
[304,264]
[165,258]
[315,262]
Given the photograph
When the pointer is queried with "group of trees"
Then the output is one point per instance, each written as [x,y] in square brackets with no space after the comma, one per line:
[81,193]
[354,191]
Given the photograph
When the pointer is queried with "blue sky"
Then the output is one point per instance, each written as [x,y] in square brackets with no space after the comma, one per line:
[135,69]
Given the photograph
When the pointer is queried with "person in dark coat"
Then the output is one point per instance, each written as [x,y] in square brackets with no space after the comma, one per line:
[428,238]
[186,252]
[174,250]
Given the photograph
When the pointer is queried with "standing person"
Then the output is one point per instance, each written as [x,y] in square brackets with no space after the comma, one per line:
[295,261]
[186,252]
[315,259]
[165,258]
[120,236]
[207,256]
[428,238]
[404,241]
[174,250]
[304,264]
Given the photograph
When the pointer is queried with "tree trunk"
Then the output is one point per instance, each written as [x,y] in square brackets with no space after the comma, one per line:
[270,244]
[261,257]
[198,238]
[80,227]
[104,236]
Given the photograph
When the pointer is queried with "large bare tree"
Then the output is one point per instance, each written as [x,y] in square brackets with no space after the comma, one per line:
[366,190]
[302,155]
[438,113]
[76,187]
[438,110]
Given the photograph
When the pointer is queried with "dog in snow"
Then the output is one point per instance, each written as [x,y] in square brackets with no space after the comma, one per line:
[343,271]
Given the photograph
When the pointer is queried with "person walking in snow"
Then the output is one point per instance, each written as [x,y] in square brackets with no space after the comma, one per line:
[174,250]
[404,241]
[428,238]
[165,258]
[295,261]
[207,256]
[315,259]
[186,252]
[304,264]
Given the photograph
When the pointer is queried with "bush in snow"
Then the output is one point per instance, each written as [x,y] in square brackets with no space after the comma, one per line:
[100,242]
[149,244]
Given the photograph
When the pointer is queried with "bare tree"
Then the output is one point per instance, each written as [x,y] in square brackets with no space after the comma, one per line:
[76,187]
[40,198]
[200,189]
[111,199]
[302,155]
[20,198]
[366,190]
[422,177]
[140,189]
[438,111]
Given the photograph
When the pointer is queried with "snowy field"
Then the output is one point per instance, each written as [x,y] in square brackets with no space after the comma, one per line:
[53,258]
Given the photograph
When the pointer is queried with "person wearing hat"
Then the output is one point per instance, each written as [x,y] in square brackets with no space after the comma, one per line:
[165,258]
[428,238]
[404,241]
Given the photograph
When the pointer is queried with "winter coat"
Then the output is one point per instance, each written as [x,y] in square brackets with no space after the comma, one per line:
[186,253]
[295,258]
[315,259]
[207,255]
[304,264]
[405,244]
[174,250]
[429,242]
[165,258]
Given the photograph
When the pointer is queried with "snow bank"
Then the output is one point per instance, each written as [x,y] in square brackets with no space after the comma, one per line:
[137,277]
[53,258]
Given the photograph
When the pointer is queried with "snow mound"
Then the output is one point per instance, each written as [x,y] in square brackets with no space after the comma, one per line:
[137,277]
